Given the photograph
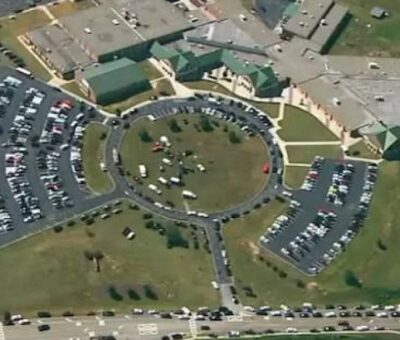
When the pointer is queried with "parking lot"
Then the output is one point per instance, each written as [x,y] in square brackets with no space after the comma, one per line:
[43,180]
[324,215]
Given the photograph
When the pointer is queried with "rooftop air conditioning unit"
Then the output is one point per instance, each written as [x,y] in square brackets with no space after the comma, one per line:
[88,30]
[115,21]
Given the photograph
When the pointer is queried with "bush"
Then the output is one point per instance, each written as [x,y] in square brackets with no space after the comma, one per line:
[282,274]
[352,280]
[145,136]
[234,138]
[147,216]
[205,124]
[175,238]
[70,223]
[174,126]
[103,136]
[150,293]
[114,294]
[58,229]
[225,128]
[381,245]
[300,284]
[133,295]
[149,225]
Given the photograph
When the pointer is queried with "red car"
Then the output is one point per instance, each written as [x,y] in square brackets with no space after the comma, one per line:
[265,168]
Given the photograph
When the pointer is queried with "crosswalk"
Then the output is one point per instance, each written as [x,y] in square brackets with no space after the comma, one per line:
[147,329]
[193,327]
[2,335]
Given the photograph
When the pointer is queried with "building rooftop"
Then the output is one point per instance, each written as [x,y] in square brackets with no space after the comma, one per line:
[351,113]
[63,52]
[331,23]
[304,22]
[157,18]
[115,74]
[100,29]
[378,12]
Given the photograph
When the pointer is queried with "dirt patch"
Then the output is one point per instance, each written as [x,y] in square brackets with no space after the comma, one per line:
[254,249]
[312,285]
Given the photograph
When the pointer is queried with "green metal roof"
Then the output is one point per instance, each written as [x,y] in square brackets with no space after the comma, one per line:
[386,136]
[113,75]
[261,76]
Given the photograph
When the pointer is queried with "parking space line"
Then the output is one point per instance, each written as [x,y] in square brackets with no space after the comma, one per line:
[234,318]
[193,327]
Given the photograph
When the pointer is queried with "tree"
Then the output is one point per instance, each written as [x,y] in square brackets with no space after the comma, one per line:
[205,124]
[118,112]
[351,279]
[114,294]
[381,245]
[234,138]
[6,318]
[150,293]
[103,136]
[133,295]
[145,136]
[174,126]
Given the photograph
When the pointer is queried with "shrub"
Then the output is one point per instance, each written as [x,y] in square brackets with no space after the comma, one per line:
[114,294]
[133,295]
[205,124]
[58,229]
[234,138]
[352,280]
[70,223]
[145,136]
[150,293]
[147,216]
[174,126]
[175,238]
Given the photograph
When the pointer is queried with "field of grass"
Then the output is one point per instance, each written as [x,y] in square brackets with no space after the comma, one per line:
[381,39]
[11,29]
[233,171]
[150,71]
[299,125]
[162,86]
[361,150]
[55,274]
[294,176]
[92,155]
[306,153]
[74,88]
[370,257]
[271,108]
[69,7]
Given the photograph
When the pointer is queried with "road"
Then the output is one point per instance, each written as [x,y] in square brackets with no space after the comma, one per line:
[126,327]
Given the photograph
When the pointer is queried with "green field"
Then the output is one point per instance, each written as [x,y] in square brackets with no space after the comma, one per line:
[162,87]
[294,176]
[11,29]
[381,39]
[55,274]
[271,108]
[361,150]
[305,153]
[149,70]
[233,171]
[93,155]
[299,125]
[369,256]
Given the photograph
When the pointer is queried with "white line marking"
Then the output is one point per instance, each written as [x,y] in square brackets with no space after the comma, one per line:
[234,318]
[2,335]
[102,323]
[193,328]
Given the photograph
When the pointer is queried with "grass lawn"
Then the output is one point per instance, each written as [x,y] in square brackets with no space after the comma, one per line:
[271,108]
[373,266]
[69,7]
[306,153]
[361,150]
[381,39]
[162,87]
[299,125]
[92,155]
[150,71]
[54,273]
[233,171]
[24,22]
[294,176]
[74,88]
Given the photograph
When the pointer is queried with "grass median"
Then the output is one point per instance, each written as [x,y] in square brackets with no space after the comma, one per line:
[268,280]
[294,176]
[56,272]
[299,125]
[304,154]
[92,155]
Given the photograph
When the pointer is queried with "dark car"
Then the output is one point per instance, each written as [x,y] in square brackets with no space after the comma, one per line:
[43,315]
[108,313]
[42,328]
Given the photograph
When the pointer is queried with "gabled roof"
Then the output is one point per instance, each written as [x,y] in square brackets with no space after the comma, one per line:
[113,75]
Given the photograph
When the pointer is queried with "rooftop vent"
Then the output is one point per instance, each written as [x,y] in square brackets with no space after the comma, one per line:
[88,30]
